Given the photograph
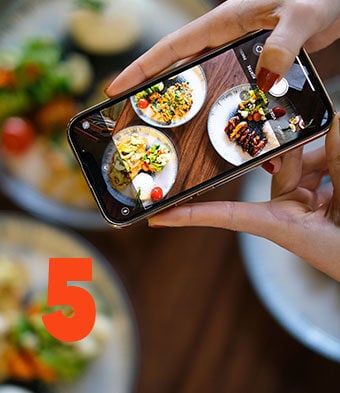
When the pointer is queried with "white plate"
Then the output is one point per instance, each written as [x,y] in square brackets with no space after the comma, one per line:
[222,110]
[303,300]
[197,82]
[34,243]
[24,19]
[164,179]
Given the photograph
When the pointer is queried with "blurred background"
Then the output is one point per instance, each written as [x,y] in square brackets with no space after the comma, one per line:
[185,310]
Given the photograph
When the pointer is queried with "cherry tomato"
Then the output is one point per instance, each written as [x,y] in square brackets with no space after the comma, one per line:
[143,103]
[156,194]
[257,117]
[17,135]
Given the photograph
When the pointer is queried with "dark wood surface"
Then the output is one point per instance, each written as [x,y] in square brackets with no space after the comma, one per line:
[202,328]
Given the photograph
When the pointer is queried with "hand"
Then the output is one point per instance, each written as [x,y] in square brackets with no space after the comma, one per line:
[295,23]
[302,217]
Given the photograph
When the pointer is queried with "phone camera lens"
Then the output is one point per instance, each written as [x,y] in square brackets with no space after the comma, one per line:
[258,48]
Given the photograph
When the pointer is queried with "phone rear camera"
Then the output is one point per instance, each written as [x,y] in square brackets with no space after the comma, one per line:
[258,48]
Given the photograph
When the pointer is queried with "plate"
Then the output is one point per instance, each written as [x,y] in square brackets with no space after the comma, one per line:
[196,80]
[221,111]
[23,19]
[33,243]
[164,179]
[303,300]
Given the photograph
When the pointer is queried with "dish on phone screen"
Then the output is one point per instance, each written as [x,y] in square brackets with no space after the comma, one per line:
[211,119]
[173,102]
[138,163]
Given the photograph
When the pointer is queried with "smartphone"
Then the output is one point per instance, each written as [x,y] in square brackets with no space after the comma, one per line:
[194,128]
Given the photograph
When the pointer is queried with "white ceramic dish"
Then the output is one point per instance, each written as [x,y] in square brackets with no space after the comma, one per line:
[23,19]
[303,300]
[164,179]
[196,80]
[33,242]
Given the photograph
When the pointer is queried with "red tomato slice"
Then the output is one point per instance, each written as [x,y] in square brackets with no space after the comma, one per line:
[17,135]
[143,103]
[156,194]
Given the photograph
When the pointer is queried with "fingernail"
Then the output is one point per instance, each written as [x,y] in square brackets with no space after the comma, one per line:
[268,166]
[266,79]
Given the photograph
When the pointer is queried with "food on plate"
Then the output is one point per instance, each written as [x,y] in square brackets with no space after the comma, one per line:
[137,162]
[279,111]
[39,93]
[118,174]
[296,123]
[131,149]
[246,127]
[13,285]
[155,158]
[143,184]
[251,141]
[165,104]
[156,194]
[27,351]
[105,26]
[18,135]
[254,105]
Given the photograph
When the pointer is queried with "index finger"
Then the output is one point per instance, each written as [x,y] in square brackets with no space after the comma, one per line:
[217,27]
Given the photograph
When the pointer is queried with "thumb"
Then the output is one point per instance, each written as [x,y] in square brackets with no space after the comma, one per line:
[284,44]
[333,162]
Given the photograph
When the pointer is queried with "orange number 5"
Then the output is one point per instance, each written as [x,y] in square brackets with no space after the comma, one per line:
[80,323]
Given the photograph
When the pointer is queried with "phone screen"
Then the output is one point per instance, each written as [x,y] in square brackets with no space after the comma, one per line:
[193,129]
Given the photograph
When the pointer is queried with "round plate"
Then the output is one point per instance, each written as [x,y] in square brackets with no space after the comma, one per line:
[303,300]
[164,179]
[33,243]
[197,82]
[23,19]
[222,110]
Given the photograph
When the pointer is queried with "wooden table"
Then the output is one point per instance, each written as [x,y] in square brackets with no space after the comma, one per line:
[202,329]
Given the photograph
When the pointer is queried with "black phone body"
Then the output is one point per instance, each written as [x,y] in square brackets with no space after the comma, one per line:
[194,128]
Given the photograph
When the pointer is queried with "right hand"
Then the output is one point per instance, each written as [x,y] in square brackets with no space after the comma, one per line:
[295,23]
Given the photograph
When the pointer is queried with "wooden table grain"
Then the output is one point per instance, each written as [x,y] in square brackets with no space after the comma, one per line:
[201,326]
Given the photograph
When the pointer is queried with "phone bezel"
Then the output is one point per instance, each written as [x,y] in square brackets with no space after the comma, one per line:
[218,180]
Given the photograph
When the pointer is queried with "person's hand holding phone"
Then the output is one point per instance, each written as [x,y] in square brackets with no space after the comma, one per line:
[295,23]
[301,217]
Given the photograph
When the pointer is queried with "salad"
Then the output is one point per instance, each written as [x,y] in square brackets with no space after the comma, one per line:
[39,93]
[27,351]
[136,163]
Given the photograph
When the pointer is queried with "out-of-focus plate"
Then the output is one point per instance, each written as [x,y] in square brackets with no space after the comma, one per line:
[222,110]
[303,300]
[34,243]
[24,19]
[196,80]
[164,179]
